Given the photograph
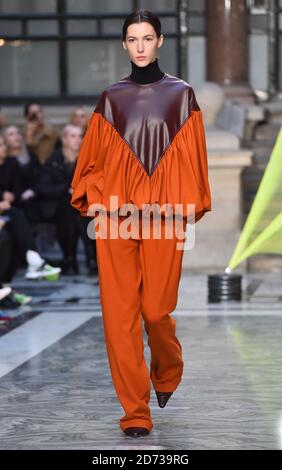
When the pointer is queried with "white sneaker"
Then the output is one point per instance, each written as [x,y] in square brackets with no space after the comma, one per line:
[4,292]
[44,271]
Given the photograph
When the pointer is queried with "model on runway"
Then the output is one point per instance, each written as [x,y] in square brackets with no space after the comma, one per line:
[145,145]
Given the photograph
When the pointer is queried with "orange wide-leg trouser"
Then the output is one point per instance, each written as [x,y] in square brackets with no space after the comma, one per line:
[139,278]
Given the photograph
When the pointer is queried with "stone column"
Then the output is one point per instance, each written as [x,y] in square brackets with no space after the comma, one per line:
[227,47]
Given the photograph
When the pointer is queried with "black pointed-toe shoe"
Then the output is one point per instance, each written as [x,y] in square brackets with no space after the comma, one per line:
[163,398]
[136,431]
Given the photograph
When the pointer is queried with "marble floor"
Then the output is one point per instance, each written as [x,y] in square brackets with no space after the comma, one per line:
[57,393]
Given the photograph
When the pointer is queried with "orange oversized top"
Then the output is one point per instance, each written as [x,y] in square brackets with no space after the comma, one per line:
[144,144]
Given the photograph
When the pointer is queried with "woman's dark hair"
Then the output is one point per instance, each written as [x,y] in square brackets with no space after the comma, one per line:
[142,15]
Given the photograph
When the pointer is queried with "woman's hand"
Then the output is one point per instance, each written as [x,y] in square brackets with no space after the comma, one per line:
[4,205]
[8,196]
[27,194]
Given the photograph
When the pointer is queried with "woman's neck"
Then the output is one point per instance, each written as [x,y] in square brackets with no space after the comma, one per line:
[148,74]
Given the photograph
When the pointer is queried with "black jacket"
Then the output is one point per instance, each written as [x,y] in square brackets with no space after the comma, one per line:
[53,186]
[10,177]
[30,172]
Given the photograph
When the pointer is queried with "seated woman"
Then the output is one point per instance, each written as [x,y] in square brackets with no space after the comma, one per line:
[54,194]
[30,168]
[80,118]
[9,297]
[17,224]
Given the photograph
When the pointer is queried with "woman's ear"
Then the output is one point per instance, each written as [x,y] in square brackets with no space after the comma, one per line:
[161,40]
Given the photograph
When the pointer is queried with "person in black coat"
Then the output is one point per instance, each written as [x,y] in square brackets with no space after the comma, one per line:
[16,223]
[54,193]
[30,169]
[10,180]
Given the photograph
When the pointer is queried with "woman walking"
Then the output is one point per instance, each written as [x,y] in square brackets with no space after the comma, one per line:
[145,146]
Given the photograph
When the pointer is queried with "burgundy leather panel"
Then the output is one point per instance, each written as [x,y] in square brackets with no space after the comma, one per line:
[148,116]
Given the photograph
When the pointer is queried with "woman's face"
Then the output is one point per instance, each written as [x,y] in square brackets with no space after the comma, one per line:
[13,137]
[142,43]
[3,148]
[72,137]
[79,118]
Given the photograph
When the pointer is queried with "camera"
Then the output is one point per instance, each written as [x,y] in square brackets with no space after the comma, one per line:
[33,117]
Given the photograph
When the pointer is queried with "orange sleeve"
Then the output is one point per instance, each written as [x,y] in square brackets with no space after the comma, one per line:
[197,153]
[85,163]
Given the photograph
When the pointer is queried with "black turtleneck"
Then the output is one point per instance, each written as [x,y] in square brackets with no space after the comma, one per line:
[148,74]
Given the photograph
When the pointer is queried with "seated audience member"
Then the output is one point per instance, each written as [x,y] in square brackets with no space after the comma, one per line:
[40,137]
[80,118]
[9,297]
[54,189]
[29,171]
[10,175]
[16,223]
